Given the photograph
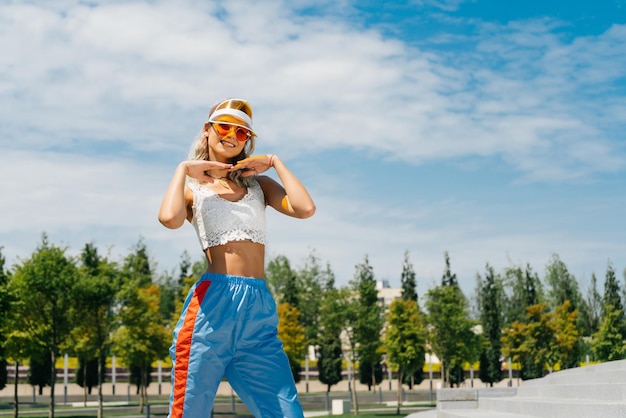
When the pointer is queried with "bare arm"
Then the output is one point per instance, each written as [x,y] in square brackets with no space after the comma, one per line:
[291,198]
[173,211]
[178,198]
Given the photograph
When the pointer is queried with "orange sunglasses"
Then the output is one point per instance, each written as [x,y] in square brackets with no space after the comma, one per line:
[223,129]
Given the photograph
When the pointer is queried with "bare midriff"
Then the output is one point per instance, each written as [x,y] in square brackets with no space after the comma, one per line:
[237,258]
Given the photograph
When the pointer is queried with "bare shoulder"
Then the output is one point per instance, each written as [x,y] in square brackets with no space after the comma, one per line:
[271,188]
[267,183]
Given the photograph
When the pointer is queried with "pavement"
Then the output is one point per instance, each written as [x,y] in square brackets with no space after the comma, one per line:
[426,414]
[124,393]
[164,388]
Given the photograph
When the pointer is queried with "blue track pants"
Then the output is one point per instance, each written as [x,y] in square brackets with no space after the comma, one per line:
[228,327]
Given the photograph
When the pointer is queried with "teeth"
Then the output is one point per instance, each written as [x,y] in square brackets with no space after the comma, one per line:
[228,144]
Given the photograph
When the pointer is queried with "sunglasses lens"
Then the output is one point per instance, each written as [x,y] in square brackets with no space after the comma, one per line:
[223,129]
[241,134]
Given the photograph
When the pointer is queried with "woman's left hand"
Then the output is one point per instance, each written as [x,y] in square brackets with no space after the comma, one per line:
[254,165]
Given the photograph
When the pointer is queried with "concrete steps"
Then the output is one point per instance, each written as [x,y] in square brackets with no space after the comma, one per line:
[597,391]
[476,413]
[556,408]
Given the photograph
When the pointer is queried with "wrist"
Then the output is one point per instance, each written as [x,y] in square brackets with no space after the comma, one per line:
[271,160]
[183,167]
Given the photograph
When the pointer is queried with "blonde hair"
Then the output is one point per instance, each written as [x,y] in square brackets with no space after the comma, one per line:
[200,147]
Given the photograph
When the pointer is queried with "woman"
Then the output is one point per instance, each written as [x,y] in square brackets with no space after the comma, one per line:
[228,326]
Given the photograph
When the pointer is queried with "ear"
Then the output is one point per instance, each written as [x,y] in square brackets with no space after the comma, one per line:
[207,126]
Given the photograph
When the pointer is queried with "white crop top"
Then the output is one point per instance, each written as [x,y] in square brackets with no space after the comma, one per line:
[219,221]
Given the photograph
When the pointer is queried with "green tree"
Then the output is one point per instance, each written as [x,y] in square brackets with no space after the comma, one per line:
[529,342]
[567,336]
[186,279]
[198,268]
[449,278]
[93,317]
[39,374]
[16,342]
[409,292]
[369,325]
[451,330]
[564,287]
[310,283]
[351,311]
[492,321]
[371,373]
[137,265]
[562,284]
[592,308]
[17,345]
[526,291]
[408,280]
[87,374]
[278,276]
[138,377]
[608,343]
[5,303]
[612,297]
[171,286]
[332,321]
[185,269]
[292,334]
[405,340]
[142,338]
[612,293]
[544,340]
[291,293]
[45,283]
[451,333]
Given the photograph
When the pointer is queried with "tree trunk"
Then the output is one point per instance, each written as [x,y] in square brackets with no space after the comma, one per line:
[85,381]
[355,400]
[400,378]
[100,380]
[145,384]
[443,374]
[140,389]
[373,376]
[53,379]
[15,387]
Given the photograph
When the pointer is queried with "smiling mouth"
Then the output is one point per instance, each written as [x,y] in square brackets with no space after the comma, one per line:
[228,144]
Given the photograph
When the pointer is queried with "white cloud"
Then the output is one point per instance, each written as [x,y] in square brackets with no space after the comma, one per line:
[446,5]
[139,77]
[117,67]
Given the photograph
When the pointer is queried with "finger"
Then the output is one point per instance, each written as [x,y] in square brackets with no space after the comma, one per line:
[248,173]
[254,158]
[244,166]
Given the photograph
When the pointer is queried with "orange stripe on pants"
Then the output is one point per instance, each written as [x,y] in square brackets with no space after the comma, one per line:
[183,349]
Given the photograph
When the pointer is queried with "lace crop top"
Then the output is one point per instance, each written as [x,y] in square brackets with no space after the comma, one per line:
[219,221]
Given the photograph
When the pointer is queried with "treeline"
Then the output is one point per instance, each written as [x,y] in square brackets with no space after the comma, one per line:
[92,307]
[89,307]
[541,323]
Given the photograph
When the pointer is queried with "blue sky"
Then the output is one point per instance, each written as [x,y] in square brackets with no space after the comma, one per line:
[492,130]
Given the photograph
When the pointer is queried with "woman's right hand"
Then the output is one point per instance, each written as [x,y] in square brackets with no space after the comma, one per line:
[178,198]
[197,169]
